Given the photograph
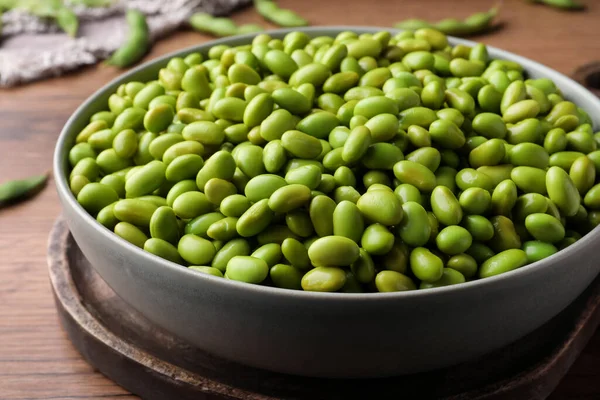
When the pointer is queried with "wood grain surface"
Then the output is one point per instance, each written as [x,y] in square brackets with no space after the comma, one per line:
[36,359]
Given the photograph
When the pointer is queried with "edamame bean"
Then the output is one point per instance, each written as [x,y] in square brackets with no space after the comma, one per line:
[348,221]
[223,230]
[324,279]
[529,179]
[475,201]
[255,219]
[414,228]
[131,233]
[453,240]
[583,174]
[505,261]
[164,225]
[247,269]
[199,225]
[425,265]
[392,281]
[289,197]
[195,250]
[505,237]
[189,205]
[95,196]
[233,248]
[286,276]
[270,253]
[301,145]
[537,250]
[381,207]
[219,165]
[489,153]
[446,134]
[504,198]
[163,249]
[415,174]
[333,251]
[449,277]
[445,206]
[377,239]
[544,227]
[263,186]
[562,191]
[295,252]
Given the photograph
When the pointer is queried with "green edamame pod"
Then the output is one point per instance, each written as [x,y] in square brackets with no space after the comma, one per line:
[16,189]
[204,22]
[505,261]
[348,221]
[137,42]
[283,17]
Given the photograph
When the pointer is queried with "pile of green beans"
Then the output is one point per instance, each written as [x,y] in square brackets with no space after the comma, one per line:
[355,163]
[269,10]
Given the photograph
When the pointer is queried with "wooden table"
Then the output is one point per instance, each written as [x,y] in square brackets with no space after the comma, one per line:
[36,359]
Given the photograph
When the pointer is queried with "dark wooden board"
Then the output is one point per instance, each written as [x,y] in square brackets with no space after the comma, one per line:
[154,364]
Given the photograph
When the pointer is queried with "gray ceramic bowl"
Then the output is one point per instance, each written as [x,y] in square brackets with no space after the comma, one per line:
[329,334]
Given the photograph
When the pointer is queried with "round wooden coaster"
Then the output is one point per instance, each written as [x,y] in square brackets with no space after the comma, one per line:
[154,364]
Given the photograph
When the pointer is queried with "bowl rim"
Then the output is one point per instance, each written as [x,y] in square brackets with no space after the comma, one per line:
[68,199]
